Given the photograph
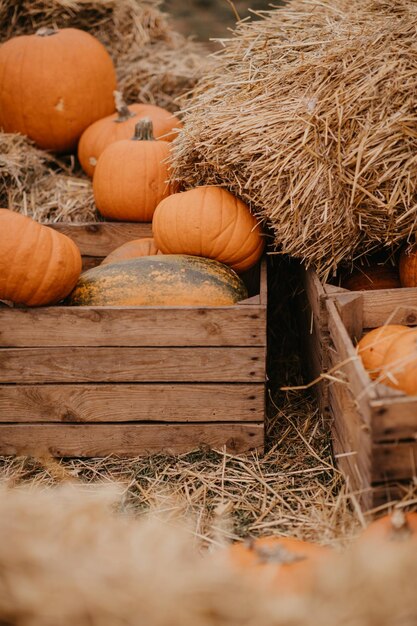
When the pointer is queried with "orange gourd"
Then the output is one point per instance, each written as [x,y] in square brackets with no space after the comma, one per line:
[38,265]
[208,221]
[131,176]
[397,526]
[53,85]
[373,346]
[399,366]
[132,250]
[408,266]
[373,277]
[288,564]
[121,125]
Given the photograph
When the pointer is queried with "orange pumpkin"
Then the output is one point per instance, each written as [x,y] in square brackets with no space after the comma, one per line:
[54,84]
[408,266]
[397,526]
[399,366]
[373,277]
[288,563]
[38,265]
[131,176]
[132,250]
[121,125]
[209,222]
[373,346]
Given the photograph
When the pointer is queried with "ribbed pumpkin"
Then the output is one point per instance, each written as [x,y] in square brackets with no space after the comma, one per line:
[373,277]
[408,266]
[289,564]
[132,250]
[373,346]
[53,85]
[38,265]
[396,526]
[162,280]
[131,176]
[399,366]
[208,221]
[121,125]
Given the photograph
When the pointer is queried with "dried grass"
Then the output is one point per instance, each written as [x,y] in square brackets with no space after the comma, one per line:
[309,115]
[77,556]
[154,63]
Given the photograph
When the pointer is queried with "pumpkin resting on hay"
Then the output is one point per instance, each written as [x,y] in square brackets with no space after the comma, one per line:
[309,114]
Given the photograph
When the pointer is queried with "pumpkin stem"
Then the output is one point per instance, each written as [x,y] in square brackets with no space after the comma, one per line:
[144,130]
[124,113]
[44,31]
[400,528]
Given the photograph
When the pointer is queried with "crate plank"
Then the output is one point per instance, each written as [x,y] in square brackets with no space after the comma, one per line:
[139,402]
[96,440]
[133,326]
[394,460]
[389,306]
[394,418]
[98,239]
[43,365]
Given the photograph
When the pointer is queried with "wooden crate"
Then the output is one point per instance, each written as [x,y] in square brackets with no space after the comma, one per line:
[374,427]
[93,381]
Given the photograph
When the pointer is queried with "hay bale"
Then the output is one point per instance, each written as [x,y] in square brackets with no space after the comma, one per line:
[310,116]
[154,63]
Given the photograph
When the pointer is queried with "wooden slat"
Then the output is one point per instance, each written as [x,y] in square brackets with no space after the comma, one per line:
[389,306]
[88,440]
[133,326]
[394,461]
[101,238]
[140,402]
[67,365]
[394,418]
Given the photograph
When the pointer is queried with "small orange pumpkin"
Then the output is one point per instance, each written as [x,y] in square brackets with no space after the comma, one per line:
[373,277]
[132,250]
[288,563]
[54,84]
[208,221]
[131,176]
[373,346]
[408,266]
[397,526]
[399,365]
[38,265]
[121,125]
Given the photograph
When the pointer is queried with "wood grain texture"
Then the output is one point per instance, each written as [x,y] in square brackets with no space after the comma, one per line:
[69,365]
[394,418]
[133,326]
[139,403]
[389,306]
[98,239]
[96,440]
[394,461]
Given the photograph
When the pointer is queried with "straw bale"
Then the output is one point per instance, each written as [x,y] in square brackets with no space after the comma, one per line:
[154,63]
[309,115]
[76,556]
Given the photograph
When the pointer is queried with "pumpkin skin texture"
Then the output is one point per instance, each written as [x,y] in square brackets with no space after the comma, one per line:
[399,366]
[374,277]
[208,221]
[121,125]
[397,526]
[38,265]
[408,266]
[373,346]
[132,250]
[131,178]
[288,563]
[159,280]
[53,85]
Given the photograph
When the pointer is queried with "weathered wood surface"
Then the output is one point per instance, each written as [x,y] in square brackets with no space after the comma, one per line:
[124,403]
[98,239]
[389,306]
[133,326]
[96,440]
[70,365]
[394,418]
[394,461]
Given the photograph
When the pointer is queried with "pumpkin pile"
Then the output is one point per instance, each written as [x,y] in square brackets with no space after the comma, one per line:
[384,274]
